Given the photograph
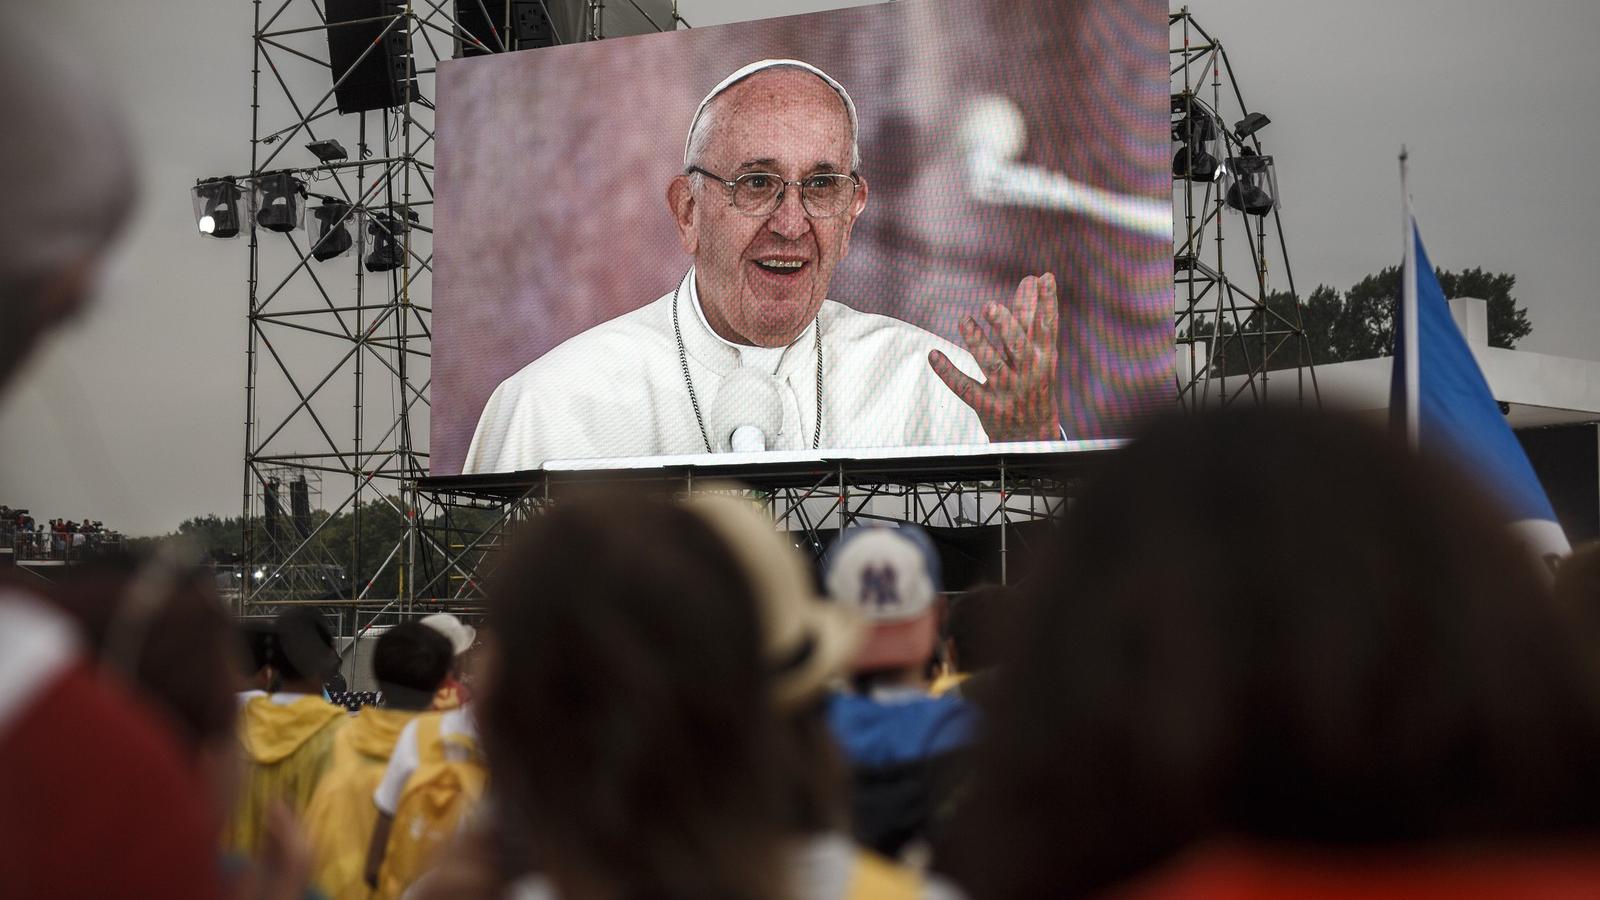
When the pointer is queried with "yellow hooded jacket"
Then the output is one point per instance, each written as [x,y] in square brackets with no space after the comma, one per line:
[434,805]
[287,747]
[341,817]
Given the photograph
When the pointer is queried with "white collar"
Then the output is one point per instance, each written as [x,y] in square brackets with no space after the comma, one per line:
[767,359]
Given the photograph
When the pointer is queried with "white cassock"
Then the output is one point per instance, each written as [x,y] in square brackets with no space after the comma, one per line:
[618,390]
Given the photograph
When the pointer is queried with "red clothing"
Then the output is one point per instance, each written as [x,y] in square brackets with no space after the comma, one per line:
[1239,872]
[95,801]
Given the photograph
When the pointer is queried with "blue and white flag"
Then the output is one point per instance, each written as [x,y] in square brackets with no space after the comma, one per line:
[1440,397]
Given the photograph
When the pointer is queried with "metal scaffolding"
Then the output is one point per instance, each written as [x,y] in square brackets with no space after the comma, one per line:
[997,497]
[338,344]
[337,350]
[1232,324]
[338,354]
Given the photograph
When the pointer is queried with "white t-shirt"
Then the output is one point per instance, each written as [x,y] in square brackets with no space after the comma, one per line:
[617,390]
[407,756]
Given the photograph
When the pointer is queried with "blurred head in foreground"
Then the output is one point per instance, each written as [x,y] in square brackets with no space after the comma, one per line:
[630,715]
[1281,629]
[162,627]
[69,189]
[1577,588]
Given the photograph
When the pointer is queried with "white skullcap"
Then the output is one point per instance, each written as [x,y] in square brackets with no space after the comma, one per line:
[66,164]
[762,65]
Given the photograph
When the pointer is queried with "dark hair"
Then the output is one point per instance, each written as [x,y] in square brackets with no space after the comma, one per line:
[303,651]
[972,626]
[255,646]
[816,780]
[627,718]
[1281,627]
[410,662]
[181,658]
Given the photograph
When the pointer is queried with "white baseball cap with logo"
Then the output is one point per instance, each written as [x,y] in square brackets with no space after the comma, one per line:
[891,576]
[461,635]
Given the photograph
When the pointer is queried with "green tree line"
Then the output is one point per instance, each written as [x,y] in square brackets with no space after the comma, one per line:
[355,542]
[1353,324]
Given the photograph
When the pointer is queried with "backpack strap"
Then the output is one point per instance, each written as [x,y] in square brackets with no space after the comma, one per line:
[429,747]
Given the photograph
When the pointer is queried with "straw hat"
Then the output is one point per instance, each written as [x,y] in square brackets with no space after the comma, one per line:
[809,642]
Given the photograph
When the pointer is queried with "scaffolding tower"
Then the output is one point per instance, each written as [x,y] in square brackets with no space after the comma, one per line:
[1234,322]
[339,335]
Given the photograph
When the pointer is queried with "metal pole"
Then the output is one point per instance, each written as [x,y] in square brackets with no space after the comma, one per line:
[1005,522]
[247,547]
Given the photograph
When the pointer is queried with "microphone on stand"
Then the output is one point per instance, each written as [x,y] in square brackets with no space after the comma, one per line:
[747,412]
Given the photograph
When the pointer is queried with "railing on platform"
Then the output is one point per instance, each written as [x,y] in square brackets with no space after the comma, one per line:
[60,548]
[982,507]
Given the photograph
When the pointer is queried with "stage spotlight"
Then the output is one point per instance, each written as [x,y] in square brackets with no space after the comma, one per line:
[216,207]
[1250,125]
[388,233]
[1197,131]
[280,201]
[1253,187]
[333,234]
[328,151]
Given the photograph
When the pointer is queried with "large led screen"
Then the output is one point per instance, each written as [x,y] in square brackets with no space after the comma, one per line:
[931,223]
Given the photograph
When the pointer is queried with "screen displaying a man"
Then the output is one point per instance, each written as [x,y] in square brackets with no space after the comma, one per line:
[747,352]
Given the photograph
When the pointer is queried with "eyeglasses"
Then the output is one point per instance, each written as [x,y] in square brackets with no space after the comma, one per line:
[759,193]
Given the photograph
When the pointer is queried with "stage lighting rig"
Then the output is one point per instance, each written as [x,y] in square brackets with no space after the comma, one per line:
[328,151]
[216,206]
[1250,124]
[333,234]
[1253,183]
[388,233]
[280,201]
[1196,159]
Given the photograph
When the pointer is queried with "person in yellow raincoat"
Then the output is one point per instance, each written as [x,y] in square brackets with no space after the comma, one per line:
[287,735]
[410,662]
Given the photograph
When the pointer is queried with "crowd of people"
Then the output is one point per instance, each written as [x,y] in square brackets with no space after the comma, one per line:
[1332,674]
[1355,684]
[60,539]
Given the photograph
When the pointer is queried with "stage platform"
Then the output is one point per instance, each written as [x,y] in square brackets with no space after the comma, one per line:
[981,505]
[790,469]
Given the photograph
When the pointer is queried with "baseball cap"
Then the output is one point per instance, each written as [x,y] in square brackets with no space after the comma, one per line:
[891,576]
[807,641]
[460,634]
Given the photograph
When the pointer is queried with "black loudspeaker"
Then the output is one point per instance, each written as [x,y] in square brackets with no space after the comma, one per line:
[273,509]
[485,20]
[530,25]
[300,506]
[387,77]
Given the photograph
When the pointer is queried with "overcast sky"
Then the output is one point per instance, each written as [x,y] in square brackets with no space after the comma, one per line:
[135,417]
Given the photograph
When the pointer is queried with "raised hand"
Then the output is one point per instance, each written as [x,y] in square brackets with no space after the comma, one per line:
[1017,400]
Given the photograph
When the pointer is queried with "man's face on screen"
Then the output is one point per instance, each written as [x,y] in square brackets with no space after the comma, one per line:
[762,278]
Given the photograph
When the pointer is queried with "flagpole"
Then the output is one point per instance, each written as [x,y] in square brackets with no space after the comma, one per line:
[1408,309]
